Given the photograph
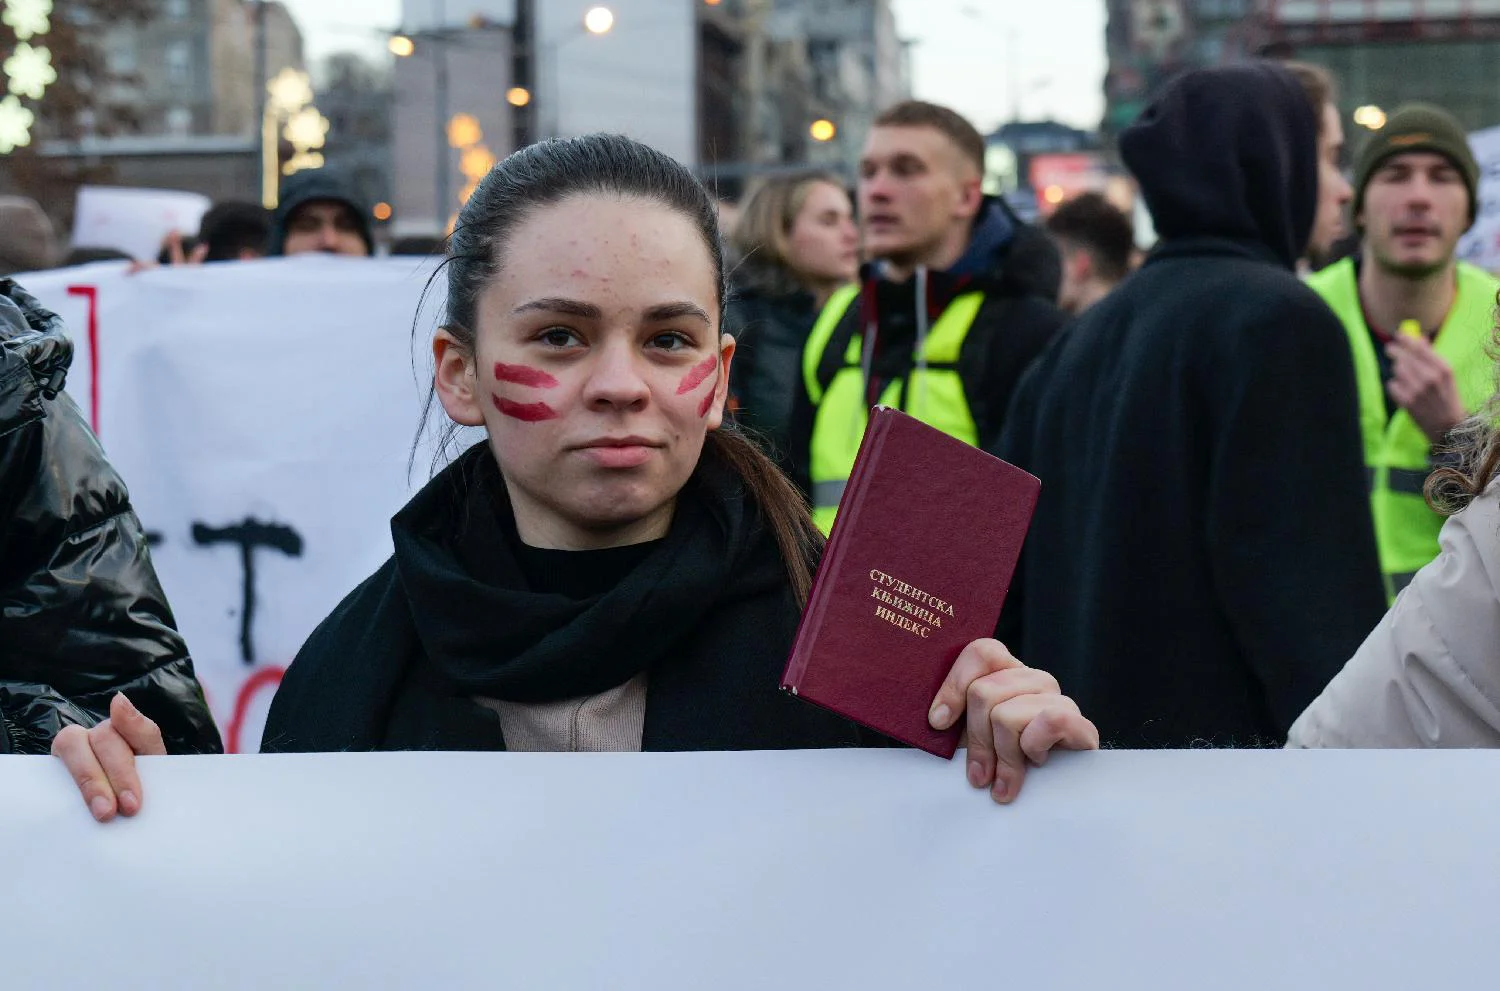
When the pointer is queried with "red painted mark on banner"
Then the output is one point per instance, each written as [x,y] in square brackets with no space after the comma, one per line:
[525,412]
[524,375]
[264,678]
[91,293]
[697,374]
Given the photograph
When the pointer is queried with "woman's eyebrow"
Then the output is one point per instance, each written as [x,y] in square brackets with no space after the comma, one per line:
[588,311]
[671,311]
[559,304]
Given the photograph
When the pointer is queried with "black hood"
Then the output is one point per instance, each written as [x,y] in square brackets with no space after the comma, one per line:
[316,185]
[1229,152]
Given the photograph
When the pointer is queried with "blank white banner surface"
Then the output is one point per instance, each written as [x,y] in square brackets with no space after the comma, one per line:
[832,869]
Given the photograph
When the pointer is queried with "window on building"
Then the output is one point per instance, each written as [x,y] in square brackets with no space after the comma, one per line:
[1223,10]
[179,121]
[179,63]
[120,54]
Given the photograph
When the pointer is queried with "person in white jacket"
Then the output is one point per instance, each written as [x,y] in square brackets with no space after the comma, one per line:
[1429,673]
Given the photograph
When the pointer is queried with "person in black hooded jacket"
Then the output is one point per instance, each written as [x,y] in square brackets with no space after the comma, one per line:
[1201,560]
[84,626]
[609,569]
[318,211]
[950,265]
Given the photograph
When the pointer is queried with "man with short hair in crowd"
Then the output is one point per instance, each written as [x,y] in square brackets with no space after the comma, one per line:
[1096,239]
[319,212]
[953,307]
[234,231]
[1418,320]
[1201,562]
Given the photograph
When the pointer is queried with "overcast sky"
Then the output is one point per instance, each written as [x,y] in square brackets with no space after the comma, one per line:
[969,54]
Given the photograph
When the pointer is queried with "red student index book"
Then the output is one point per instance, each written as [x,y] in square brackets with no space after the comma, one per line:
[916,568]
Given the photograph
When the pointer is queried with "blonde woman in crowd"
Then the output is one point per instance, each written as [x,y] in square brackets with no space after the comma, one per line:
[795,244]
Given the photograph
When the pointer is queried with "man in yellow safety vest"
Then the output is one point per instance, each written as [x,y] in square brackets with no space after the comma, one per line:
[954,306]
[1418,320]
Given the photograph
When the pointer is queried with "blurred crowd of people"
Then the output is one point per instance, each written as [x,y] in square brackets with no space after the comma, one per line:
[318,211]
[1251,438]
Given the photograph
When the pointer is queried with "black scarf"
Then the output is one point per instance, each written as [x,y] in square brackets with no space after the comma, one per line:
[461,580]
[707,611]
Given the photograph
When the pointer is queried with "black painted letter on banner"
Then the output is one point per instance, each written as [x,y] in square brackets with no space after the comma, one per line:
[249,535]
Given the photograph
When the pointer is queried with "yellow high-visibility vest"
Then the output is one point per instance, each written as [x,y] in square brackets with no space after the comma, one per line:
[934,395]
[1397,452]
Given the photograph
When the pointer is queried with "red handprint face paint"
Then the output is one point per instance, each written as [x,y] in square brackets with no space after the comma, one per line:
[531,378]
[695,378]
[697,374]
[525,412]
[525,375]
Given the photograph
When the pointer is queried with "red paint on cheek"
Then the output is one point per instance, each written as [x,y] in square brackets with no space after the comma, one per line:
[524,375]
[525,412]
[707,404]
[697,374]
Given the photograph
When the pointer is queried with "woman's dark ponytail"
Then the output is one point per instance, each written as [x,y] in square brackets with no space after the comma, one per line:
[782,505]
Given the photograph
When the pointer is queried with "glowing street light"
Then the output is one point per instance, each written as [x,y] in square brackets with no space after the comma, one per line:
[518,96]
[1053,194]
[1371,117]
[382,211]
[599,20]
[463,131]
[401,46]
[822,130]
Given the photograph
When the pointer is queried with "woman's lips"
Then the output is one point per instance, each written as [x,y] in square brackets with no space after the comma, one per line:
[630,453]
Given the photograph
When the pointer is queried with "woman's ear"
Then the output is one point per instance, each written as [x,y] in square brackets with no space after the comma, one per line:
[455,380]
[721,386]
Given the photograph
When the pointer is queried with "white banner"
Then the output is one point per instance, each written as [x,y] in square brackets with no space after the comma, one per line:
[261,414]
[1481,245]
[135,221]
[1160,870]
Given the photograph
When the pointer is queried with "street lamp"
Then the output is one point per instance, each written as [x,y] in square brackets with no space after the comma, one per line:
[463,131]
[401,46]
[518,96]
[289,113]
[1371,117]
[599,20]
[822,130]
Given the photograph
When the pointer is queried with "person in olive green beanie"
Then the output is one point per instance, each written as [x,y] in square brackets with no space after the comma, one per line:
[1418,127]
[1418,319]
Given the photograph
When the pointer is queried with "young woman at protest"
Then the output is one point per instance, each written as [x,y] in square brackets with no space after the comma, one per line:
[1429,673]
[794,244]
[612,568]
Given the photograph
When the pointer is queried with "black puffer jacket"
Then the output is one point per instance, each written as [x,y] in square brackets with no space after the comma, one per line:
[82,615]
